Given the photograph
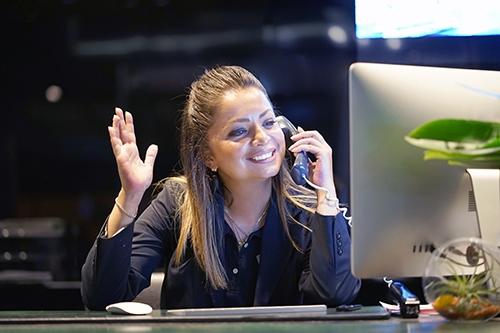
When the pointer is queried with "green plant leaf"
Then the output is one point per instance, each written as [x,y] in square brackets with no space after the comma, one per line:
[467,137]
[440,155]
[485,161]
[493,143]
[476,165]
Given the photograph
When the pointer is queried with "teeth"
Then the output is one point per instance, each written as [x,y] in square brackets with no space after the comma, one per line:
[263,156]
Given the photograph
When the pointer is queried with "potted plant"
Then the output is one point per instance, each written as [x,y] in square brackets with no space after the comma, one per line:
[462,279]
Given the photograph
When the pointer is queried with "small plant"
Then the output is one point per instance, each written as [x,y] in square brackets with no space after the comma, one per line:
[462,277]
[461,280]
[465,297]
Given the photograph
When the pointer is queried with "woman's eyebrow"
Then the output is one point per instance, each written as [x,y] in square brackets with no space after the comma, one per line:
[242,120]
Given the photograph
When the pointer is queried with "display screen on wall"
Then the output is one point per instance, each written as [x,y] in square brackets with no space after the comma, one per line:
[426,18]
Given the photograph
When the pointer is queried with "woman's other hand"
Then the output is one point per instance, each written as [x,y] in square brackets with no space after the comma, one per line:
[136,175]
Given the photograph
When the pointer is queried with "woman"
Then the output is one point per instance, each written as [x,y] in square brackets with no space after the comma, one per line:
[234,229]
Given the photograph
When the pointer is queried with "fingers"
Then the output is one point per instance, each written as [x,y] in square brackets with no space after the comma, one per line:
[308,134]
[129,124]
[122,130]
[124,125]
[119,113]
[313,149]
[115,140]
[151,155]
[306,141]
[311,142]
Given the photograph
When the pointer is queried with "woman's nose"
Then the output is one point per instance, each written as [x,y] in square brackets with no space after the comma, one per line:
[260,135]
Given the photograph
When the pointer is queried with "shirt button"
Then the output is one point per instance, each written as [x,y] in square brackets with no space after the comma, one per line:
[235,270]
[246,245]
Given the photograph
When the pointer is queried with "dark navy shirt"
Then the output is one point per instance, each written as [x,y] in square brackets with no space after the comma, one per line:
[242,267]
[118,268]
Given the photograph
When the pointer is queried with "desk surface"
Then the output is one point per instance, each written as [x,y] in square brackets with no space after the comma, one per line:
[164,316]
[129,324]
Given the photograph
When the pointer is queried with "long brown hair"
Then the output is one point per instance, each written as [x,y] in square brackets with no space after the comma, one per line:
[198,226]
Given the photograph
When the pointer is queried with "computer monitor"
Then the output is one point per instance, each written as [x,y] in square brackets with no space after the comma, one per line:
[402,206]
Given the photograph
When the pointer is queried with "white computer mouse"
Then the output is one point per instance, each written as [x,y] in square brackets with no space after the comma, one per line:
[129,308]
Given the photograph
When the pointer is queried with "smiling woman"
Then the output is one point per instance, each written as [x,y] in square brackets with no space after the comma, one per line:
[245,143]
[234,229]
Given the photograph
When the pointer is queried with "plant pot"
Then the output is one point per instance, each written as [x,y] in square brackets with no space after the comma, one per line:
[462,280]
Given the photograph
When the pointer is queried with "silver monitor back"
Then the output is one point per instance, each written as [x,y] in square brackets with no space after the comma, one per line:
[403,206]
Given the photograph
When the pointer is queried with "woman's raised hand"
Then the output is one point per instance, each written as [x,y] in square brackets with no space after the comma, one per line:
[136,175]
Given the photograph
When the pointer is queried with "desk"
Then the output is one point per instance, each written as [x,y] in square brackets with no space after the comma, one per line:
[83,323]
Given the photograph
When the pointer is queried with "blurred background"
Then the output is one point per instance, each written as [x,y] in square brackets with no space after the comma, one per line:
[68,63]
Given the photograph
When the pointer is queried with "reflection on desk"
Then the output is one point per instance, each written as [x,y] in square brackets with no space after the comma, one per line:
[85,321]
[164,316]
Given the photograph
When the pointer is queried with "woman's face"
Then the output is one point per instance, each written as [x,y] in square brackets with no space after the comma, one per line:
[245,142]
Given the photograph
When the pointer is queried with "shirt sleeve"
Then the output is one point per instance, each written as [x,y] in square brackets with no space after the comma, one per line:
[119,267]
[327,276]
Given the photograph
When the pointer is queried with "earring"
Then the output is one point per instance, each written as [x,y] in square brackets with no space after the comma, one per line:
[214,169]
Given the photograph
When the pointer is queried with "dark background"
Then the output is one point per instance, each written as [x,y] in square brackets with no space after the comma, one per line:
[56,161]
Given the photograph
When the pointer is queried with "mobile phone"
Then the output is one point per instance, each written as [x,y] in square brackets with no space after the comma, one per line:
[349,307]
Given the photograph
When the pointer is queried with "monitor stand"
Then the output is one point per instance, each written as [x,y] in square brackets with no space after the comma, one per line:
[486,189]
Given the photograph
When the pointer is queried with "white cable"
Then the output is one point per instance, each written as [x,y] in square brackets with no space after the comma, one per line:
[388,281]
[336,201]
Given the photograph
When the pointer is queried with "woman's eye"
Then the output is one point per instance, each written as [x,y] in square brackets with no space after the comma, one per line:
[237,132]
[269,123]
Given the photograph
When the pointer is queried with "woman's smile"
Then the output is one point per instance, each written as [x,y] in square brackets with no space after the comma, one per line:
[263,157]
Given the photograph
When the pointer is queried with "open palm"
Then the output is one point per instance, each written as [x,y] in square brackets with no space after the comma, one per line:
[136,175]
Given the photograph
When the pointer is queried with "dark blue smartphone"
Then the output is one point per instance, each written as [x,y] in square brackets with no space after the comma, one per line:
[349,307]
